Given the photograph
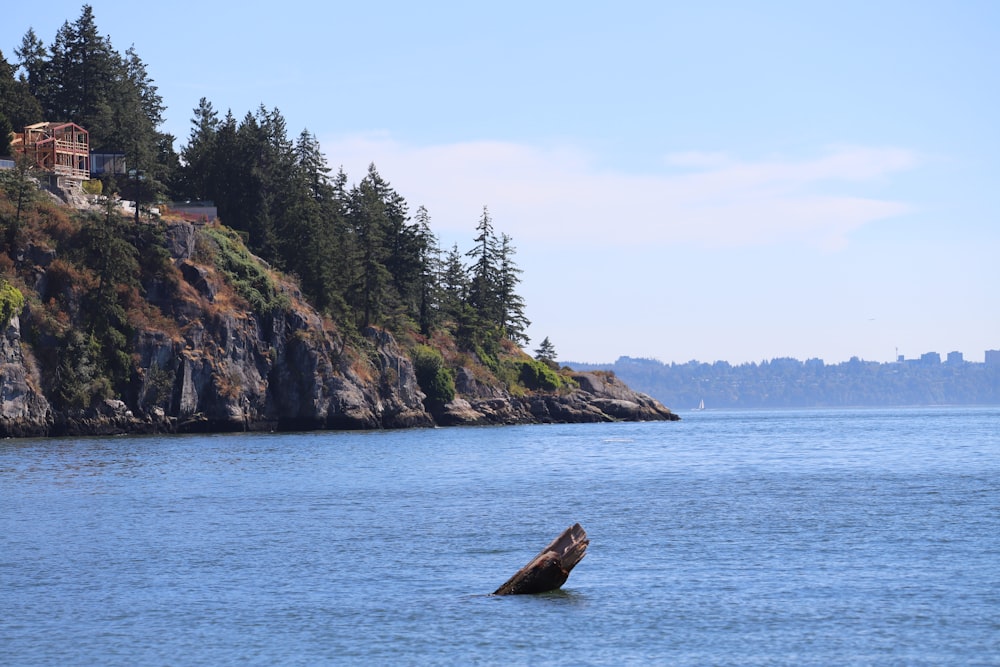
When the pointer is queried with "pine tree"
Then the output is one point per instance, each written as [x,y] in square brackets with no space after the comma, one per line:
[513,322]
[77,84]
[546,352]
[483,272]
[116,260]
[136,110]
[17,104]
[305,241]
[226,171]
[195,178]
[429,313]
[366,215]
[312,166]
[33,61]
[454,284]
[21,189]
[5,133]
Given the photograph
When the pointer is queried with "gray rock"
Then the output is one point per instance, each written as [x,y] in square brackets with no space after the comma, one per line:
[212,366]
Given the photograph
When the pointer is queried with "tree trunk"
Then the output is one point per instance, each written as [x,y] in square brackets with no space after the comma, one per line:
[549,569]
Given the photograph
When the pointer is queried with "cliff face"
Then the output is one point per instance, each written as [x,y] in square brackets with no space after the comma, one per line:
[23,408]
[211,364]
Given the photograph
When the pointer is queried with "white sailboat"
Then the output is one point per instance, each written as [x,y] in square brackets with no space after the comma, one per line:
[701,405]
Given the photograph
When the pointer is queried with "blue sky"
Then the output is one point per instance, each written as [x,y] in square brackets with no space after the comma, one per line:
[716,181]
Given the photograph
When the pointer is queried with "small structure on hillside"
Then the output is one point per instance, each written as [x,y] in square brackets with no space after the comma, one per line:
[102,164]
[194,211]
[61,150]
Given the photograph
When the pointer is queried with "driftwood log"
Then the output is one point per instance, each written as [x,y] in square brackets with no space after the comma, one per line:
[549,569]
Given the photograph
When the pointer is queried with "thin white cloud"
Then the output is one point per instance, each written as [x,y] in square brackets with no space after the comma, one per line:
[559,194]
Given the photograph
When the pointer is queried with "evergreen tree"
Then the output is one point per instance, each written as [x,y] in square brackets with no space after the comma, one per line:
[454,284]
[368,219]
[264,166]
[17,104]
[33,61]
[429,308]
[546,352]
[20,187]
[341,269]
[198,156]
[312,167]
[116,259]
[483,272]
[78,80]
[305,240]
[513,322]
[5,131]
[226,172]
[136,110]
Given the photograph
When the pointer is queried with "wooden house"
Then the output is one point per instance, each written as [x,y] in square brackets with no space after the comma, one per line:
[59,149]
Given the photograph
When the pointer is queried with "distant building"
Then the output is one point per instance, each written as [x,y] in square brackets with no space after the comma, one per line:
[930,358]
[993,357]
[955,358]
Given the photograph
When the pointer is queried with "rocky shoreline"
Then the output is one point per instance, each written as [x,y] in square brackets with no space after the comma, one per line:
[348,402]
[209,366]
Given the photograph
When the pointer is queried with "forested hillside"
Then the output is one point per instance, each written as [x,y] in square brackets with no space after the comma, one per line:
[310,303]
[359,253]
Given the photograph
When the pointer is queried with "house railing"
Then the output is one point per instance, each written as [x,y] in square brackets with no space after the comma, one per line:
[75,147]
[71,172]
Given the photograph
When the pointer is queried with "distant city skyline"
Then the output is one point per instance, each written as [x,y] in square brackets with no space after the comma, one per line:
[990,357]
[729,181]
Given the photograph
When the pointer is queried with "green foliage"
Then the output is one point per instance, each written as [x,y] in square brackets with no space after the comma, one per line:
[546,352]
[78,380]
[11,302]
[434,378]
[535,374]
[157,386]
[21,189]
[356,252]
[245,274]
[81,78]
[112,252]
[5,131]
[17,105]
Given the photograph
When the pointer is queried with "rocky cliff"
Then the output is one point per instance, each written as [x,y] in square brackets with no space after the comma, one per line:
[208,362]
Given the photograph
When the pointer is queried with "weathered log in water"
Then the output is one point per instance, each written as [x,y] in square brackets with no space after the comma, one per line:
[549,569]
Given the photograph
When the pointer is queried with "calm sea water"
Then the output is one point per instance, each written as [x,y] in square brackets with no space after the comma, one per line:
[866,537]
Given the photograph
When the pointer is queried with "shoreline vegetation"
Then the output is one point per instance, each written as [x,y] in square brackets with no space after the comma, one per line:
[298,301]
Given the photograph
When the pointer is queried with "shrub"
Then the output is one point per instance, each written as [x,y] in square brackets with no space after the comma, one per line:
[11,302]
[433,377]
[537,375]
[245,274]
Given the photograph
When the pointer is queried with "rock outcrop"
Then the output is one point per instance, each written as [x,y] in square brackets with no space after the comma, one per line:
[597,397]
[23,408]
[211,365]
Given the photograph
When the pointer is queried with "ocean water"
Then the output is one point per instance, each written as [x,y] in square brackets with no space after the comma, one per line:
[860,537]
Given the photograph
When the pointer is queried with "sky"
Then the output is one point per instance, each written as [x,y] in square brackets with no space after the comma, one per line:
[735,181]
